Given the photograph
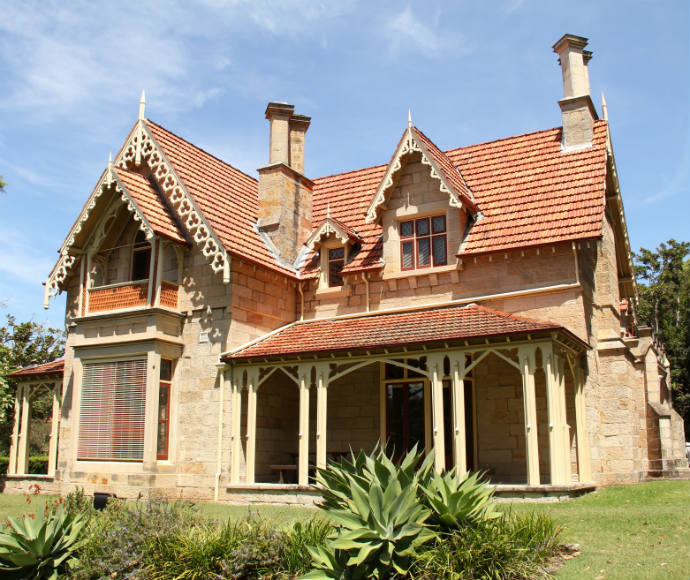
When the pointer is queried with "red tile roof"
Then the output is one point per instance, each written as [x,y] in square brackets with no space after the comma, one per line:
[450,173]
[359,333]
[150,204]
[55,367]
[528,190]
[227,198]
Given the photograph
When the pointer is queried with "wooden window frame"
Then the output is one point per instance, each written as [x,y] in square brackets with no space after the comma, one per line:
[330,260]
[415,237]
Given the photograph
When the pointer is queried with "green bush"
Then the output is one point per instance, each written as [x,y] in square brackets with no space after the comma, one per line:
[456,502]
[509,548]
[38,464]
[39,545]
[380,521]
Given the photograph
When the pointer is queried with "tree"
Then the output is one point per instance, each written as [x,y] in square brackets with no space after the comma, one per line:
[2,185]
[23,344]
[663,278]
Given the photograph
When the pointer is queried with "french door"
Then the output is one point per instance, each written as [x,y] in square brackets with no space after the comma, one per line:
[405,417]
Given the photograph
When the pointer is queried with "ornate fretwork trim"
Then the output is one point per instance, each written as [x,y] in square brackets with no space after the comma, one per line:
[141,146]
[409,144]
[68,253]
[328,227]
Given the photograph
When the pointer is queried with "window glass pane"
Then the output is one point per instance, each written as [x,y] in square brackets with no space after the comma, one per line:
[406,229]
[334,276]
[163,420]
[407,255]
[423,255]
[422,227]
[394,371]
[336,253]
[166,369]
[140,264]
[438,224]
[415,406]
[395,445]
[439,246]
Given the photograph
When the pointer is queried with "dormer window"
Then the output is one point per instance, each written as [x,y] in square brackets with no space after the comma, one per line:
[423,243]
[141,257]
[336,261]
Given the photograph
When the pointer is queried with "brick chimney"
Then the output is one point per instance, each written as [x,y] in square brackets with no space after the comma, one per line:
[285,194]
[577,109]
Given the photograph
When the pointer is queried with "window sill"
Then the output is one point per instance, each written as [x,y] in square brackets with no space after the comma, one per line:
[420,272]
[329,290]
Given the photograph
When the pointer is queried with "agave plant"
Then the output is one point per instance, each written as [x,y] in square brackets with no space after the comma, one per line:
[458,501]
[38,546]
[380,522]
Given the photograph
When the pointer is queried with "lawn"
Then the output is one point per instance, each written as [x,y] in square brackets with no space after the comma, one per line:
[637,532]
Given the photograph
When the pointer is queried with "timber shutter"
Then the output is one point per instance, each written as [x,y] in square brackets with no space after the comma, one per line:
[112,413]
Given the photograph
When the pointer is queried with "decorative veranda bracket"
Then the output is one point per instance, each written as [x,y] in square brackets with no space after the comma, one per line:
[68,252]
[142,147]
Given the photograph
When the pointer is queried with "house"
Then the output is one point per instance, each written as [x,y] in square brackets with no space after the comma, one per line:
[226,333]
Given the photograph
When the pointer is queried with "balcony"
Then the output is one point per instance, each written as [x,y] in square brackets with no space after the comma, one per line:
[129,295]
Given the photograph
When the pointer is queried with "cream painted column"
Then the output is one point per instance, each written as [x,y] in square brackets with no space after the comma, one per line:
[153,261]
[565,429]
[252,388]
[435,365]
[23,448]
[236,426]
[554,415]
[153,376]
[526,356]
[584,458]
[321,413]
[304,376]
[14,441]
[54,428]
[457,365]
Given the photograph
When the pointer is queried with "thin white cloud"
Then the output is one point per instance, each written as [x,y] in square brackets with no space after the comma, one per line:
[672,185]
[407,32]
[21,261]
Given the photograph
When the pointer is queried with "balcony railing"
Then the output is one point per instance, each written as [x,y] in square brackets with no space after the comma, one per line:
[130,295]
[118,296]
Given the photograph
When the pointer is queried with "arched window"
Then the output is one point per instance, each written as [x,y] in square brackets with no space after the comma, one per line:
[141,257]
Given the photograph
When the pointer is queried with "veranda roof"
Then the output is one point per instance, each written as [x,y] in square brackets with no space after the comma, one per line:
[429,326]
[55,367]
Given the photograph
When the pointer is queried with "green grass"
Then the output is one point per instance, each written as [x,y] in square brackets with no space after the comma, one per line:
[635,532]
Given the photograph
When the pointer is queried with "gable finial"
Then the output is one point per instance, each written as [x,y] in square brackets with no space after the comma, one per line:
[604,108]
[142,105]
[110,159]
[328,210]
[409,118]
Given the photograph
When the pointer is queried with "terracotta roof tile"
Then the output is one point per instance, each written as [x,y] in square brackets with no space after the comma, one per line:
[227,197]
[390,329]
[151,205]
[55,367]
[528,190]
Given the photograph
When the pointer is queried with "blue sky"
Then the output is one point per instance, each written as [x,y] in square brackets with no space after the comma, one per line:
[470,71]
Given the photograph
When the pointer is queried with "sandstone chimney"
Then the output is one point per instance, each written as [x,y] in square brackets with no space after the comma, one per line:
[577,109]
[285,194]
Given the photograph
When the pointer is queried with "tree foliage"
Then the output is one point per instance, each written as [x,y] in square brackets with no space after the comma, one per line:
[23,344]
[2,184]
[663,277]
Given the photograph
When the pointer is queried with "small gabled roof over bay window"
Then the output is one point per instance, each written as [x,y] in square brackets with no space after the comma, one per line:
[332,227]
[141,199]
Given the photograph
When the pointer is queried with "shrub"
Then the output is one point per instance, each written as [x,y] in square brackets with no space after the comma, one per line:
[120,537]
[509,548]
[39,545]
[380,522]
[38,464]
[455,502]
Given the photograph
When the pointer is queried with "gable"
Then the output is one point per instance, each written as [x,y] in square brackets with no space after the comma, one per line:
[450,180]
[117,188]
